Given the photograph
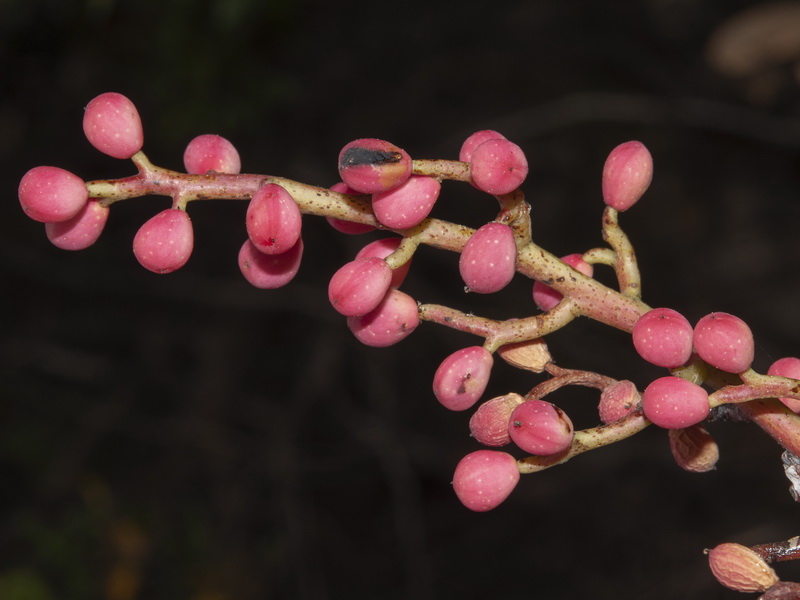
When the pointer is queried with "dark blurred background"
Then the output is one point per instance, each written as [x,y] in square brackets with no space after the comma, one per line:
[188,436]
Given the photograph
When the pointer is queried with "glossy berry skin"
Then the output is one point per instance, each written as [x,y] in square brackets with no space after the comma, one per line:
[485,478]
[273,219]
[540,428]
[663,337]
[347,227]
[489,424]
[674,403]
[488,259]
[627,174]
[407,204]
[113,126]
[383,248]
[359,286]
[370,165]
[475,140]
[394,319]
[211,153]
[498,167]
[724,341]
[462,377]
[546,297]
[269,271]
[82,230]
[51,194]
[787,367]
[164,243]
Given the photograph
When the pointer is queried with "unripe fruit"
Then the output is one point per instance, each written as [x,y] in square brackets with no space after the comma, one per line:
[627,174]
[51,194]
[369,165]
[739,568]
[694,449]
[82,230]
[674,403]
[164,243]
[475,140]
[113,126]
[787,367]
[498,167]
[395,318]
[489,424]
[347,227]
[540,428]
[488,259]
[407,204]
[273,220]
[269,271]
[211,153]
[383,248]
[618,400]
[725,342]
[485,478]
[462,377]
[359,286]
[663,337]
[546,297]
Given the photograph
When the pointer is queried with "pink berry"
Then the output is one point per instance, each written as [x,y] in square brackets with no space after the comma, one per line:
[82,230]
[51,194]
[462,377]
[725,342]
[485,478]
[489,424]
[475,140]
[369,165]
[663,337]
[618,400]
[498,167]
[211,153]
[269,271]
[626,175]
[359,286]
[489,259]
[546,297]
[164,243]
[787,367]
[347,227]
[395,318]
[674,403]
[273,220]
[407,204]
[112,125]
[383,248]
[540,428]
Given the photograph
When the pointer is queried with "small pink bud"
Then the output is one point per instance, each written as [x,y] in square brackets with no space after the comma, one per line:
[618,400]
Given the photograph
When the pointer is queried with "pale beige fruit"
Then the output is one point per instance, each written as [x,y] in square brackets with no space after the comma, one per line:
[694,449]
[739,568]
[532,355]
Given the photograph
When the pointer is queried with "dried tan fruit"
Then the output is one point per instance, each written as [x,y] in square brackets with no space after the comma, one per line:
[739,568]
[532,355]
[694,449]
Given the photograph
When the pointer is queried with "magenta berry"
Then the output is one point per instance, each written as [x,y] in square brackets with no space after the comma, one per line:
[164,243]
[488,260]
[369,165]
[787,367]
[663,337]
[383,248]
[618,400]
[485,478]
[540,428]
[273,219]
[626,175]
[359,286]
[725,342]
[113,126]
[546,297]
[407,204]
[489,424]
[269,271]
[51,194]
[394,319]
[498,166]
[82,230]
[674,403]
[211,153]
[347,227]
[475,140]
[462,377]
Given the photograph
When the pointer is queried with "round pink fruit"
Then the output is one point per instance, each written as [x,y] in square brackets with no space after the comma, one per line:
[113,126]
[51,194]
[485,478]
[674,403]
[725,342]
[165,242]
[489,259]
[540,428]
[663,337]
[462,377]
[626,175]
